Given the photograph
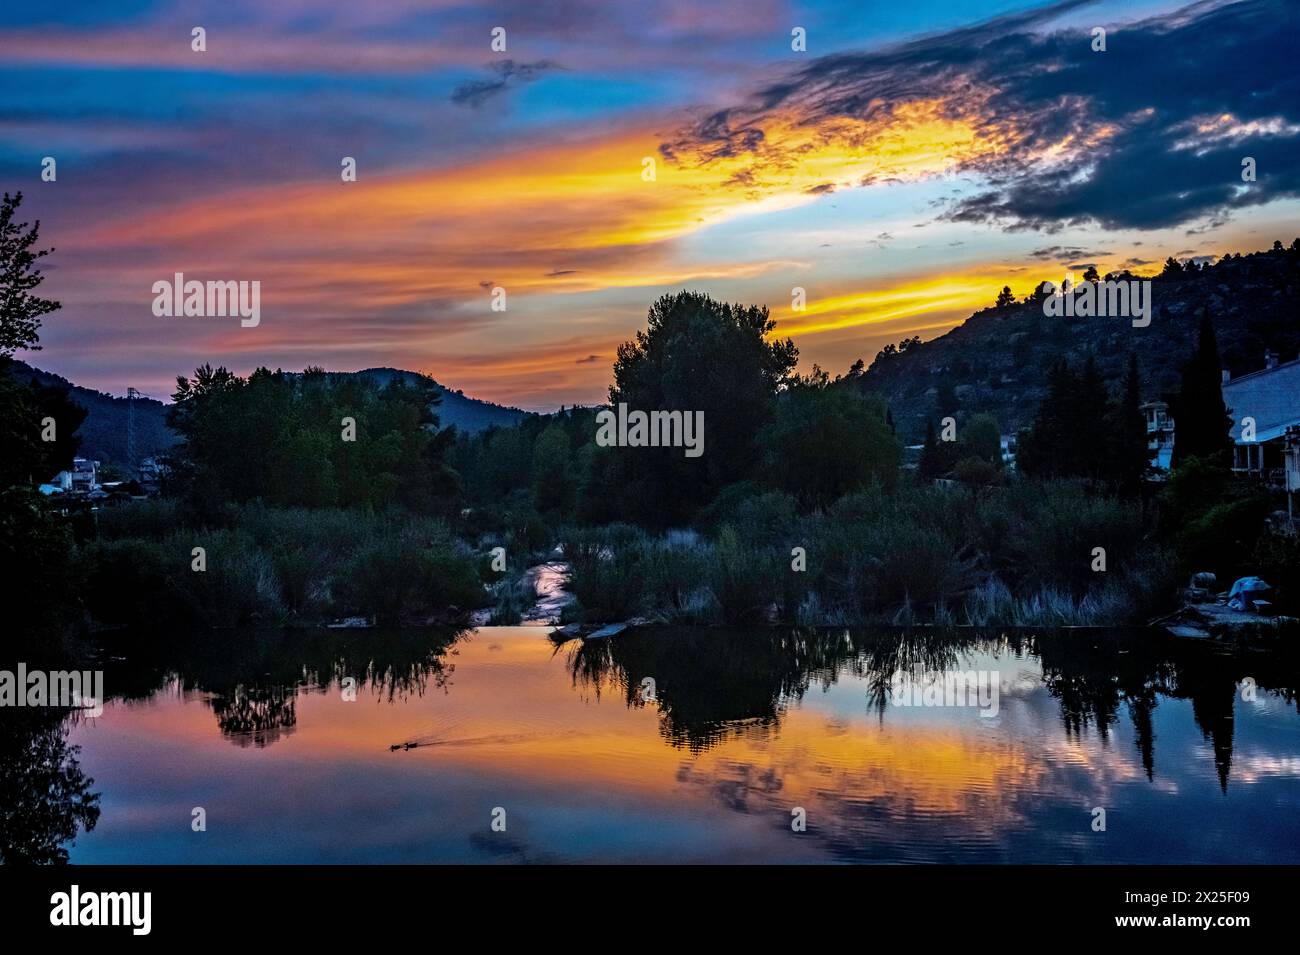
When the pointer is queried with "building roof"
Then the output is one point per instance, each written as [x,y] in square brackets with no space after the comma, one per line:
[1271,396]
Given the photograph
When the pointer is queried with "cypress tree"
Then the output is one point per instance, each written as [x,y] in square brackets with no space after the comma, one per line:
[1202,423]
[1130,455]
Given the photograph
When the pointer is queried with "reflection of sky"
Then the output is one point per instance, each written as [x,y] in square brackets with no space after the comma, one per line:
[523,169]
[587,779]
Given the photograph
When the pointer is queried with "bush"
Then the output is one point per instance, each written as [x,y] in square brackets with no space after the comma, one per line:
[606,570]
[743,579]
[674,582]
[238,586]
[152,519]
[1052,543]
[130,583]
[406,575]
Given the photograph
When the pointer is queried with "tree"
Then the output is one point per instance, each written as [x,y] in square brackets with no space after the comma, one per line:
[1069,433]
[982,438]
[827,440]
[1201,420]
[20,310]
[1091,275]
[698,355]
[308,440]
[552,479]
[1130,452]
[1005,298]
[937,457]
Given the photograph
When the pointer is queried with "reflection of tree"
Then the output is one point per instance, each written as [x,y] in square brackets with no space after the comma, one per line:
[711,684]
[257,715]
[256,677]
[44,795]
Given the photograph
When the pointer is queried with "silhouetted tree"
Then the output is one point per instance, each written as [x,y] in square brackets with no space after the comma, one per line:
[827,440]
[1068,437]
[1201,420]
[697,355]
[20,310]
[1130,453]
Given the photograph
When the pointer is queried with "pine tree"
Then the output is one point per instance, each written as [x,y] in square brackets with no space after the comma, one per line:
[1130,457]
[1201,420]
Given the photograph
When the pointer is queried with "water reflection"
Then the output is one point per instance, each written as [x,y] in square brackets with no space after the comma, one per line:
[44,795]
[252,681]
[741,726]
[715,684]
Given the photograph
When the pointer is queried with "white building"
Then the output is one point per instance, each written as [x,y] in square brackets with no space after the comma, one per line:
[1265,409]
[1160,434]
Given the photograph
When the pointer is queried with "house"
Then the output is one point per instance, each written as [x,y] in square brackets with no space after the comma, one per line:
[1160,434]
[1265,409]
[152,472]
[82,479]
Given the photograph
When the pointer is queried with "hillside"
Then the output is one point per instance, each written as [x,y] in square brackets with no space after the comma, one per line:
[998,359]
[467,414]
[103,434]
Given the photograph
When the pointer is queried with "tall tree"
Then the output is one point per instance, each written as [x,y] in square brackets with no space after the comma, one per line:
[1130,453]
[29,452]
[1069,436]
[20,310]
[698,355]
[1201,420]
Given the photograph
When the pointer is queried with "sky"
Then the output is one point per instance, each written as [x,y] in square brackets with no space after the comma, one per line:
[901,168]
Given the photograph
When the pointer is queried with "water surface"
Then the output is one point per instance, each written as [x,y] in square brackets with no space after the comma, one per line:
[742,728]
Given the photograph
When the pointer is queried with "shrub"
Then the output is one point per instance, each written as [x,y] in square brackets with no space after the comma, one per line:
[674,579]
[743,578]
[606,570]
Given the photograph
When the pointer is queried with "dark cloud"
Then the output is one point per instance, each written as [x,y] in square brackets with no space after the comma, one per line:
[1133,115]
[588,360]
[1053,252]
[509,73]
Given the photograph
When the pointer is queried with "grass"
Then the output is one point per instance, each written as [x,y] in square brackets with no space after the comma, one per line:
[276,566]
[1016,555]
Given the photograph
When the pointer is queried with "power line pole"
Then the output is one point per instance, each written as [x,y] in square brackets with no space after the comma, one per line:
[131,395]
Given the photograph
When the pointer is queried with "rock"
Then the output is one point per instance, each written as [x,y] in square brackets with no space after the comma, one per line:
[613,630]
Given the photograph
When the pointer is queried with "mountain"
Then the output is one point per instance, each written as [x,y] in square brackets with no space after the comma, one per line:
[103,433]
[997,361]
[467,414]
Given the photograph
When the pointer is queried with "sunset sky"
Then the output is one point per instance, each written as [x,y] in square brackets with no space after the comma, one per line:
[914,159]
